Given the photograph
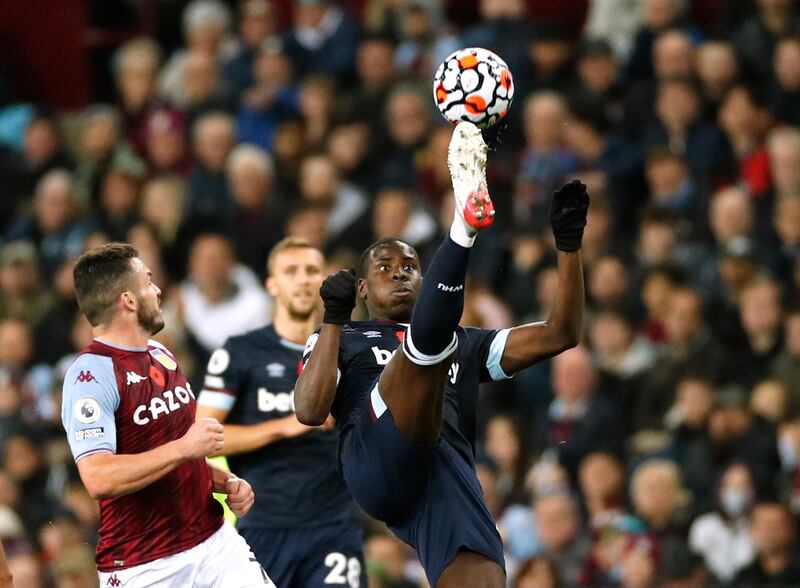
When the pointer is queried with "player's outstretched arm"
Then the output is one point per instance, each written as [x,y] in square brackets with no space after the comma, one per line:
[529,344]
[108,475]
[246,438]
[316,387]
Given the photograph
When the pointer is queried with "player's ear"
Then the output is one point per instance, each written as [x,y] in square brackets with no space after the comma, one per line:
[361,289]
[127,300]
[272,289]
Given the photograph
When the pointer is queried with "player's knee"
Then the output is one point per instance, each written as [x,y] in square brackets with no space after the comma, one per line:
[415,355]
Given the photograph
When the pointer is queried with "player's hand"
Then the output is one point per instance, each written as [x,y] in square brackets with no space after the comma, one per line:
[568,215]
[205,437]
[338,294]
[240,496]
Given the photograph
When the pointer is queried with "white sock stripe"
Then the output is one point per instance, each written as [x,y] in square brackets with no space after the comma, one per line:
[378,405]
[416,356]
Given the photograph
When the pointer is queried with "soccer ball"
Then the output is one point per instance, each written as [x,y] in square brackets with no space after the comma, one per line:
[473,85]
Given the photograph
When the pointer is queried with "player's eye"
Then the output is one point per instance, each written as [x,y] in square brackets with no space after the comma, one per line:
[409,267]
[383,267]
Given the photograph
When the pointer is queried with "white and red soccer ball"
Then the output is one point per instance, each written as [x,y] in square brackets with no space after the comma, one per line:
[473,85]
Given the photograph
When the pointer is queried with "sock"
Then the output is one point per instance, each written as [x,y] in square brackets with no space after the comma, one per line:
[461,233]
[437,312]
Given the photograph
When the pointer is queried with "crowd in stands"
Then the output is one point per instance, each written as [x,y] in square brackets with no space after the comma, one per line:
[663,451]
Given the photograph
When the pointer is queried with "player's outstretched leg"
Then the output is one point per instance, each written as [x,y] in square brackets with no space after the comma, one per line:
[412,385]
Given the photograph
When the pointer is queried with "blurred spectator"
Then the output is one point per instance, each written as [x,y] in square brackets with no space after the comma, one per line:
[784,156]
[203,87]
[671,187]
[546,161]
[257,221]
[608,283]
[258,23]
[209,200]
[346,204]
[271,97]
[22,294]
[323,40]
[578,421]
[560,533]
[348,146]
[680,128]
[75,569]
[786,366]
[600,87]
[718,70]
[316,103]
[206,25]
[687,420]
[615,22]
[375,69]
[722,536]
[602,484]
[661,501]
[55,227]
[769,400]
[785,89]
[756,38]
[658,16]
[20,171]
[738,435]
[744,118]
[219,297]
[408,125]
[503,28]
[165,143]
[136,66]
[119,199]
[761,315]
[162,209]
[101,148]
[395,214]
[387,561]
[504,446]
[772,529]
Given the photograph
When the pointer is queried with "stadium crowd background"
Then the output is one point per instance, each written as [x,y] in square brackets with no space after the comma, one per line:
[665,450]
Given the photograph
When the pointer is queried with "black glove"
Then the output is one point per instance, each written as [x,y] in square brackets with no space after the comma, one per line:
[338,294]
[568,215]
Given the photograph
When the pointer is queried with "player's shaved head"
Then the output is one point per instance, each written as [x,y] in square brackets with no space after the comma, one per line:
[365,258]
[101,275]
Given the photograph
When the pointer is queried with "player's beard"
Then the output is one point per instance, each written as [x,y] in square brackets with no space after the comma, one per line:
[299,312]
[149,317]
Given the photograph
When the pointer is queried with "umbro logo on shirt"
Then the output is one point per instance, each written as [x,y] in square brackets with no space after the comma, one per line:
[372,334]
[276,370]
[85,376]
[134,378]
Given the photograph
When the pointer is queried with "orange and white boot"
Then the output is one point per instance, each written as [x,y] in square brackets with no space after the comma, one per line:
[466,159]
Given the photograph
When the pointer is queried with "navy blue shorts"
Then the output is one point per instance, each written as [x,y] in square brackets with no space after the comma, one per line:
[428,496]
[310,557]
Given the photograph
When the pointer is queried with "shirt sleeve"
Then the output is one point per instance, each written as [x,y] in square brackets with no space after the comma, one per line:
[223,380]
[90,397]
[311,342]
[489,346]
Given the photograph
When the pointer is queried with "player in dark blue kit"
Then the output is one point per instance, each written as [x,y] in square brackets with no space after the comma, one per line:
[406,418]
[302,524]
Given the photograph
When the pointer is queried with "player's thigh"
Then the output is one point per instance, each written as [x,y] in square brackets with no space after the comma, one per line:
[227,560]
[174,570]
[414,395]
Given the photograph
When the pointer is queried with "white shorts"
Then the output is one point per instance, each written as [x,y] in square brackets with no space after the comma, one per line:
[224,560]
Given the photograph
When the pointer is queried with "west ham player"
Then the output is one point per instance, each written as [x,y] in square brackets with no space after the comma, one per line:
[129,416]
[302,528]
[406,419]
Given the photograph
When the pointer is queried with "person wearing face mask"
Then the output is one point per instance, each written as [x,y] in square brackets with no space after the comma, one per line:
[721,537]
